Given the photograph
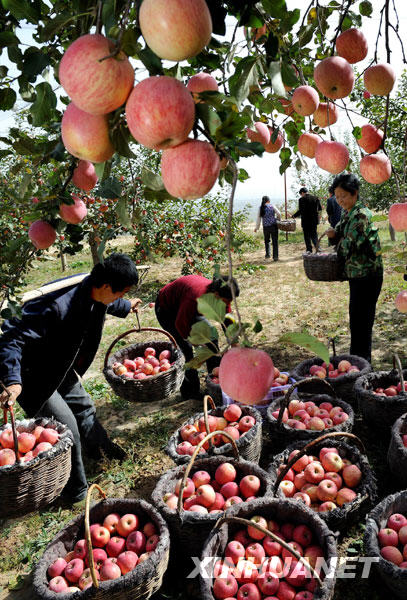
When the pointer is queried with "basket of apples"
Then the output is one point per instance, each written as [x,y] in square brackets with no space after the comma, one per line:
[269,548]
[243,423]
[117,550]
[145,371]
[386,541]
[212,386]
[397,453]
[342,372]
[35,463]
[307,415]
[192,498]
[328,475]
[382,396]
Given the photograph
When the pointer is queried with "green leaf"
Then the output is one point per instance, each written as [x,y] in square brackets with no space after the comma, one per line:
[201,355]
[35,62]
[305,34]
[357,132]
[109,188]
[202,332]
[21,9]
[310,342]
[44,104]
[8,38]
[122,212]
[275,8]
[211,307]
[130,45]
[218,15]
[152,180]
[271,46]
[25,182]
[157,195]
[150,61]
[208,116]
[249,148]
[288,75]
[208,241]
[8,98]
[365,8]
[277,84]
[99,169]
[54,25]
[245,76]
[231,331]
[257,327]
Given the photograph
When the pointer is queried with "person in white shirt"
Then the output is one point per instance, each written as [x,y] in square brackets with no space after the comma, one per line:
[269,215]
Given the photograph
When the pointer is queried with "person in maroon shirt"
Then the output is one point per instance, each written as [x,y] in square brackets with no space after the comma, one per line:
[176,309]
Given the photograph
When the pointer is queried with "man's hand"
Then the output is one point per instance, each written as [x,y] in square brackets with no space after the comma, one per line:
[14,390]
[135,303]
[331,232]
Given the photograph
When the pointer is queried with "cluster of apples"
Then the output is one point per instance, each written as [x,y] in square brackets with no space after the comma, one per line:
[145,366]
[393,540]
[231,422]
[391,390]
[205,495]
[119,545]
[325,371]
[30,444]
[255,566]
[308,415]
[322,483]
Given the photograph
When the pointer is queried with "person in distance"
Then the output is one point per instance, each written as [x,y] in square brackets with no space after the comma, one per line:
[309,209]
[269,215]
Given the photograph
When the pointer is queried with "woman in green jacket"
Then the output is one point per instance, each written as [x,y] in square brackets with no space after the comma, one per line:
[359,250]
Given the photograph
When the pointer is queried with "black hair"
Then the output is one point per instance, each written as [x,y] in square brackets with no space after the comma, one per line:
[117,270]
[264,201]
[331,189]
[348,182]
[303,190]
[223,288]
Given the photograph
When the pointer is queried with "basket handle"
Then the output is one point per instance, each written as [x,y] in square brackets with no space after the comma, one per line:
[9,407]
[276,538]
[87,531]
[304,450]
[397,365]
[332,342]
[193,457]
[157,329]
[319,241]
[296,384]
[205,409]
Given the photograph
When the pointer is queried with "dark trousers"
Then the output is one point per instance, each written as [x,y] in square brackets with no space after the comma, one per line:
[363,295]
[310,235]
[71,404]
[190,386]
[271,231]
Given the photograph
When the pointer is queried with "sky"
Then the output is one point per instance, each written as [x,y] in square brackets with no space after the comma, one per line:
[265,178]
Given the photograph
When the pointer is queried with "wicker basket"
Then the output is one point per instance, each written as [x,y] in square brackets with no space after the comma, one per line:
[342,517]
[393,577]
[280,433]
[214,390]
[397,453]
[190,529]
[249,444]
[289,225]
[323,266]
[139,584]
[278,510]
[31,485]
[381,411]
[153,388]
[344,384]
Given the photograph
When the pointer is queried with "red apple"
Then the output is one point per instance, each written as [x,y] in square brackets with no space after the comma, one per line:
[375,168]
[332,156]
[86,136]
[379,79]
[127,524]
[246,374]
[351,44]
[334,77]
[392,554]
[260,133]
[275,146]
[398,216]
[201,82]
[42,234]
[388,537]
[371,139]
[84,176]
[305,100]
[73,213]
[326,114]
[396,521]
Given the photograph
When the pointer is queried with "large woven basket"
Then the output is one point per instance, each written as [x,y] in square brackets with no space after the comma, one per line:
[289,225]
[381,411]
[323,266]
[277,510]
[190,529]
[397,453]
[344,384]
[139,584]
[280,433]
[249,444]
[28,486]
[342,517]
[153,388]
[393,577]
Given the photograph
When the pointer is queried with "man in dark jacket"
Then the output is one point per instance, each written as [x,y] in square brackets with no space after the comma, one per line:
[309,208]
[333,210]
[44,353]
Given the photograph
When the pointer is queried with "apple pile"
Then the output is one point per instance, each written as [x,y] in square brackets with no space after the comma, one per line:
[30,444]
[205,495]
[391,390]
[143,367]
[214,376]
[308,415]
[255,566]
[231,422]
[119,545]
[393,540]
[325,371]
[323,483]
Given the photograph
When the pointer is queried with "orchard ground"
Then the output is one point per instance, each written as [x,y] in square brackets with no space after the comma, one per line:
[283,299]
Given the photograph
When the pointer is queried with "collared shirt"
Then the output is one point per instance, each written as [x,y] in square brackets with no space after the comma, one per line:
[358,242]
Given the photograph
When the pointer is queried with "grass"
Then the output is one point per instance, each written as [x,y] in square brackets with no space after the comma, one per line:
[280,296]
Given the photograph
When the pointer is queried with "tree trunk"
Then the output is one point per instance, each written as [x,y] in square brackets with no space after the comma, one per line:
[392,233]
[63,261]
[94,248]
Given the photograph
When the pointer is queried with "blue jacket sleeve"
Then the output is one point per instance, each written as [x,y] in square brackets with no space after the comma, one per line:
[119,308]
